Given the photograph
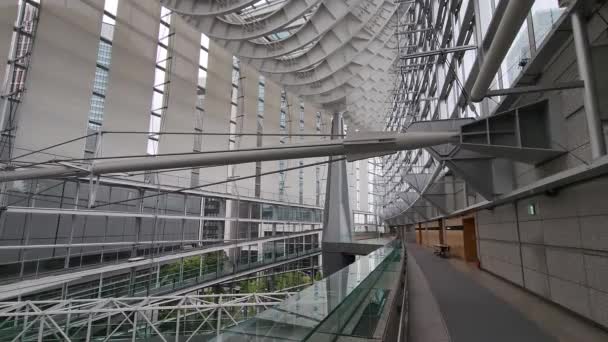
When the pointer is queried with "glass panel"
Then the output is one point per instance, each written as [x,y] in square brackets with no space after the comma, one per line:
[517,57]
[152,147]
[203,59]
[323,310]
[100,82]
[104,55]
[111,6]
[544,15]
[154,124]
[193,205]
[204,41]
[157,101]
[159,81]
[202,78]
[215,207]
[487,11]
[161,56]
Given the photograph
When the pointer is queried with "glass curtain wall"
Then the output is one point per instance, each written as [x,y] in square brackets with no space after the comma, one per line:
[162,78]
[102,73]
[439,82]
[201,89]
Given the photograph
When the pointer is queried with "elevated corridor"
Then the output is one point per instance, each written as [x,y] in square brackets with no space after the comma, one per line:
[450,301]
[359,302]
[203,278]
[355,301]
[472,313]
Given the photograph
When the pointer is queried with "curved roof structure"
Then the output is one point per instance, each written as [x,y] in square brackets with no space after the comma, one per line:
[336,53]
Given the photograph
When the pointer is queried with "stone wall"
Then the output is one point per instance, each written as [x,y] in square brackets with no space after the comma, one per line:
[558,250]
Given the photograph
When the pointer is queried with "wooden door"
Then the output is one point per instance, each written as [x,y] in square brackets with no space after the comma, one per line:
[469,239]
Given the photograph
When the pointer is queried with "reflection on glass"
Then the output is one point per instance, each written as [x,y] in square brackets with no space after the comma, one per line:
[354,294]
[544,15]
[487,11]
[517,57]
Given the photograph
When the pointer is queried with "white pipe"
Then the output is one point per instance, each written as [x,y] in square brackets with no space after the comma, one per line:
[511,21]
[378,143]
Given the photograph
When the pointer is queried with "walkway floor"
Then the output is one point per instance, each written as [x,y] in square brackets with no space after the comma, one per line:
[425,320]
[477,306]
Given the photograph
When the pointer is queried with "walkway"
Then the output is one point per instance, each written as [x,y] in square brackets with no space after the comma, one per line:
[477,308]
[426,323]
[21,288]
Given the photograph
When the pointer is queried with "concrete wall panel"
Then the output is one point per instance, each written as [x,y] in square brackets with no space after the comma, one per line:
[571,295]
[132,73]
[217,112]
[499,231]
[563,246]
[534,258]
[558,206]
[310,119]
[596,270]
[272,108]
[247,124]
[503,269]
[537,282]
[60,78]
[181,112]
[590,198]
[599,307]
[364,183]
[562,232]
[292,189]
[531,231]
[566,265]
[594,233]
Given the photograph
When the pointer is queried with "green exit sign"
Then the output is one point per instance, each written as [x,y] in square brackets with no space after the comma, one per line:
[532,209]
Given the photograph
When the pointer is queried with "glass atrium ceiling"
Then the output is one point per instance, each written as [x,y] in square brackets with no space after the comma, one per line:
[259,11]
[328,52]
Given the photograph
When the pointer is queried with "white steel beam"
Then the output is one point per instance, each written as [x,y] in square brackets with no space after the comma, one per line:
[380,144]
[512,19]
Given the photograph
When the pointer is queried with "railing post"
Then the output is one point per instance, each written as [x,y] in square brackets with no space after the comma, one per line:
[89,326]
[41,328]
[177,326]
[134,334]
[219,315]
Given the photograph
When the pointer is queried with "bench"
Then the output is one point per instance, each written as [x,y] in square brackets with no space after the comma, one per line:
[442,250]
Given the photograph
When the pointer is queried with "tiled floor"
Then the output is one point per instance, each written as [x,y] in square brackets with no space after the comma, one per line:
[477,306]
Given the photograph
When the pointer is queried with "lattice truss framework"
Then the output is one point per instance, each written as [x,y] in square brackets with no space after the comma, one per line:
[423,42]
[134,318]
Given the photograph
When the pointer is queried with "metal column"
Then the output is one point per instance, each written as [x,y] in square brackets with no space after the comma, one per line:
[337,221]
[337,217]
[585,67]
[513,18]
